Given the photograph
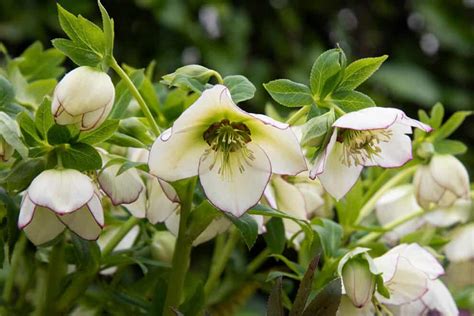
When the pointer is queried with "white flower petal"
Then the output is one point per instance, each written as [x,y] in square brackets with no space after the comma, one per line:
[427,190]
[121,189]
[95,207]
[160,207]
[461,246]
[439,298]
[138,207]
[83,223]
[459,212]
[321,160]
[396,152]
[43,227]
[449,173]
[312,196]
[62,117]
[346,308]
[422,260]
[175,156]
[261,223]
[236,191]
[27,211]
[279,143]
[67,190]
[93,119]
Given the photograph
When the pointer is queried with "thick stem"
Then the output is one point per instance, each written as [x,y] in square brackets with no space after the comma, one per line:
[299,114]
[136,94]
[181,256]
[370,204]
[372,236]
[219,261]
[124,229]
[16,256]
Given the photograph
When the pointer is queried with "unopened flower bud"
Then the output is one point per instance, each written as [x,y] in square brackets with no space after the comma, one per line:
[359,282]
[6,150]
[162,247]
[442,182]
[84,97]
[426,150]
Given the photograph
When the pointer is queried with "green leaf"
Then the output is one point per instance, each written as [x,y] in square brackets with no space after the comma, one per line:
[275,302]
[108,27]
[101,134]
[359,71]
[6,92]
[451,125]
[330,234]
[87,255]
[241,89]
[314,130]
[450,147]
[289,93]
[12,231]
[133,164]
[123,95]
[197,72]
[28,129]
[327,72]
[58,134]
[80,55]
[349,100]
[247,227]
[200,218]
[295,267]
[327,301]
[304,290]
[437,115]
[272,275]
[11,134]
[275,235]
[381,286]
[123,140]
[194,303]
[23,173]
[44,118]
[82,157]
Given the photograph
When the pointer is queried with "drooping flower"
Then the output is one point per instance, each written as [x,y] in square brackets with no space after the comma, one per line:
[124,188]
[461,246]
[406,270]
[84,97]
[370,137]
[442,182]
[57,199]
[233,152]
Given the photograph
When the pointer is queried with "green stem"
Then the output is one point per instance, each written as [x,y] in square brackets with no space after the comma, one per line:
[136,94]
[338,109]
[370,204]
[218,77]
[124,229]
[372,236]
[182,254]
[299,114]
[15,262]
[220,258]
[258,261]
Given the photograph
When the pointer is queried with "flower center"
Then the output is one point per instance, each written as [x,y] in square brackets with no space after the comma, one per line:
[361,146]
[228,141]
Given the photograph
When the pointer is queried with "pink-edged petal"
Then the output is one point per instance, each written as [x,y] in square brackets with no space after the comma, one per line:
[27,211]
[461,246]
[216,227]
[138,207]
[321,160]
[346,308]
[83,223]
[269,196]
[396,152]
[169,191]
[175,156]
[235,191]
[94,119]
[160,207]
[43,227]
[279,143]
[67,190]
[62,117]
[438,298]
[422,260]
[459,212]
[427,190]
[312,196]
[449,173]
[369,118]
[95,207]
[337,178]
[121,189]
[405,120]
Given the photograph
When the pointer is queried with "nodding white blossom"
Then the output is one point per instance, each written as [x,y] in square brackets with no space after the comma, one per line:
[461,246]
[233,152]
[124,188]
[370,137]
[162,246]
[406,270]
[441,183]
[84,97]
[57,199]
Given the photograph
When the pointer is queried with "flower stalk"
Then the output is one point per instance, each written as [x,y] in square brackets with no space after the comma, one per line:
[299,114]
[115,240]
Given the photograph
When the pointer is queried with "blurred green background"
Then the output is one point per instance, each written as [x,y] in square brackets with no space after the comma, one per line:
[430,43]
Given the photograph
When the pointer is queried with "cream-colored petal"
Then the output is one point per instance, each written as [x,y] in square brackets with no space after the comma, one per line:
[459,212]
[395,152]
[43,227]
[461,246]
[27,211]
[138,207]
[121,189]
[450,173]
[83,223]
[160,207]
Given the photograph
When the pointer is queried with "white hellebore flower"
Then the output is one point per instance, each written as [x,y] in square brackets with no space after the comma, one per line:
[233,152]
[442,182]
[84,97]
[124,188]
[57,199]
[406,270]
[461,246]
[370,137]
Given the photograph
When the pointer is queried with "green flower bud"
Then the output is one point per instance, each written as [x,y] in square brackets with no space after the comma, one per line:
[359,282]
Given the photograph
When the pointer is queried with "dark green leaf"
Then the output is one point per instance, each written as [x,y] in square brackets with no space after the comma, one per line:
[58,134]
[241,89]
[11,134]
[289,93]
[6,92]
[23,173]
[28,128]
[247,226]
[275,235]
[450,147]
[101,134]
[327,301]
[87,254]
[295,267]
[359,71]
[44,118]
[12,231]
[275,303]
[327,72]
[349,100]
[330,234]
[81,157]
[133,164]
[304,289]
[80,55]
[314,130]
[195,303]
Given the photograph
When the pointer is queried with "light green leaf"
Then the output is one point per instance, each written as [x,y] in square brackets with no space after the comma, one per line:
[10,132]
[349,100]
[451,125]
[108,27]
[437,115]
[289,93]
[314,130]
[82,157]
[28,129]
[101,134]
[241,89]
[6,92]
[123,95]
[327,72]
[450,147]
[79,54]
[44,118]
[330,234]
[123,140]
[359,71]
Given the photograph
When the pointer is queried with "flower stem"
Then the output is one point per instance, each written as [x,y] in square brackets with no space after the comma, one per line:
[397,179]
[124,229]
[299,114]
[219,260]
[16,256]
[182,254]
[258,261]
[218,77]
[136,94]
[393,224]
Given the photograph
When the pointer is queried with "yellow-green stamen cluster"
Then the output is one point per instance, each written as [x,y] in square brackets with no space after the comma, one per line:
[228,140]
[361,146]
